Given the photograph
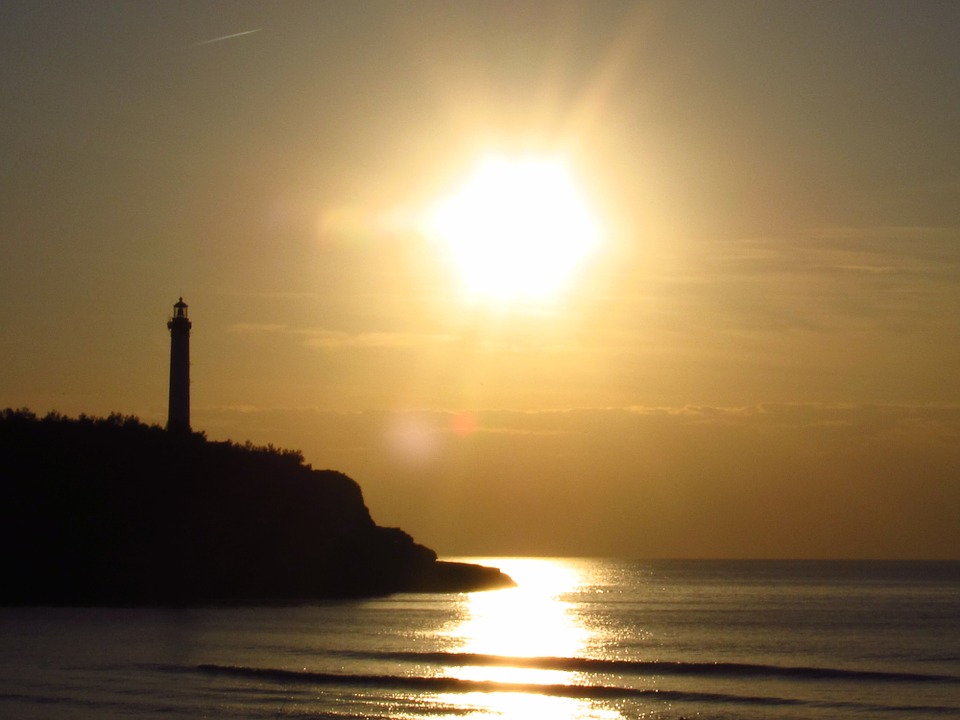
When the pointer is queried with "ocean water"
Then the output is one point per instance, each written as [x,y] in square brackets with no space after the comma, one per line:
[576,639]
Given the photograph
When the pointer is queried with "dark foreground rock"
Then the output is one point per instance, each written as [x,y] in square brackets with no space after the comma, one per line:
[115,512]
[443,577]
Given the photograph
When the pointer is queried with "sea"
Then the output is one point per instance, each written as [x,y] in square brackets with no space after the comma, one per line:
[576,639]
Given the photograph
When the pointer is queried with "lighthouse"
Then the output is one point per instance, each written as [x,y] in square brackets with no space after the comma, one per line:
[178,414]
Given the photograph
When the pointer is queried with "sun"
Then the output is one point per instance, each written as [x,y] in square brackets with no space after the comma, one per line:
[516,230]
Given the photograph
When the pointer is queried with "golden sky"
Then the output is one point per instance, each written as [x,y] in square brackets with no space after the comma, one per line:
[758,357]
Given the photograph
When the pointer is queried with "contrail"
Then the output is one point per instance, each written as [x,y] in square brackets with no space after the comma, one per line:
[226,37]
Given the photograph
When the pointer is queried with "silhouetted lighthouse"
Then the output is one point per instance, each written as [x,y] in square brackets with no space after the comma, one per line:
[178,414]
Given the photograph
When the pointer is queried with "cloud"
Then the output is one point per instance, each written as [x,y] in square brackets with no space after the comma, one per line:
[870,269]
[352,223]
[338,339]
[876,280]
[927,424]
[257,328]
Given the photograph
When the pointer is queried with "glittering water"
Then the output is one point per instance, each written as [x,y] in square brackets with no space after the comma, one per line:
[575,639]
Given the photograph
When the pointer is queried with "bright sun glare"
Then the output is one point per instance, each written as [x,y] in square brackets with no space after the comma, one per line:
[516,230]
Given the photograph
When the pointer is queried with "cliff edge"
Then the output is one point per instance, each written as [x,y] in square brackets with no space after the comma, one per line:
[112,511]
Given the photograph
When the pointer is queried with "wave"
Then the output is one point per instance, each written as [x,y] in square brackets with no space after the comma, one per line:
[658,667]
[456,685]
[451,685]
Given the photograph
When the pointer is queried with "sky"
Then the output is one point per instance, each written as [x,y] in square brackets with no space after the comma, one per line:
[758,357]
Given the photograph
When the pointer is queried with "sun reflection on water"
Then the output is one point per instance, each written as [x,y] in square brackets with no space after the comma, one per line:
[529,620]
[505,629]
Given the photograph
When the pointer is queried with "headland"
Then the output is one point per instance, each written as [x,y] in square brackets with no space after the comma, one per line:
[111,511]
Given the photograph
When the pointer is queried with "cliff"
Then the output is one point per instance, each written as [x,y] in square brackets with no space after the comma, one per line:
[114,512]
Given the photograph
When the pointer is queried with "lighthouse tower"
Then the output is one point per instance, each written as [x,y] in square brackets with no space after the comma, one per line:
[178,415]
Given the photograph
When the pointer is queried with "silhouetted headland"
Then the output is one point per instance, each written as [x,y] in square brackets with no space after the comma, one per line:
[112,511]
